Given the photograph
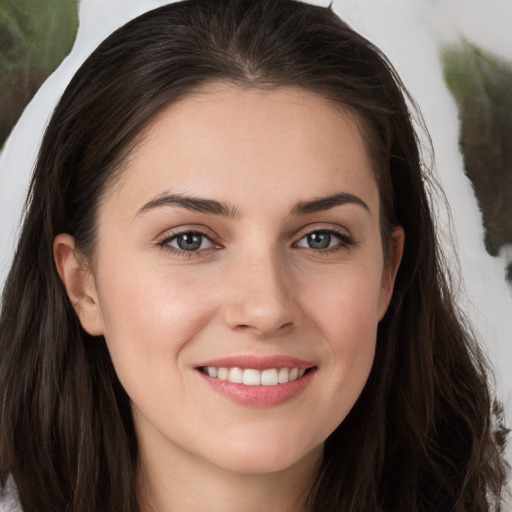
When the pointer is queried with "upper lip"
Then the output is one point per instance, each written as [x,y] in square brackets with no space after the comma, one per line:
[257,362]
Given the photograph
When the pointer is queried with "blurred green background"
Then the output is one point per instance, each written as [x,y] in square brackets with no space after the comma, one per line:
[481,84]
[35,35]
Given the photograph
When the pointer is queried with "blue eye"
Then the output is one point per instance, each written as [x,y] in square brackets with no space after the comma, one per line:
[189,241]
[322,239]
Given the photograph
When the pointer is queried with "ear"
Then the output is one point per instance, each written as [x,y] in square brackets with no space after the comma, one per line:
[79,283]
[394,258]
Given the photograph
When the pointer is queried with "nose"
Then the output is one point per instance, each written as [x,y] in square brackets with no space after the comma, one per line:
[260,298]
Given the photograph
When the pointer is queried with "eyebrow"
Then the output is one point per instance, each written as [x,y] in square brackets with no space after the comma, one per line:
[191,203]
[225,210]
[326,203]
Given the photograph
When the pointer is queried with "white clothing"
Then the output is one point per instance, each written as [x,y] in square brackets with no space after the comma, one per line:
[9,497]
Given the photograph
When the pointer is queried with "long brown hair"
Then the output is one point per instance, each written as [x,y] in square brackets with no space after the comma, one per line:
[420,436]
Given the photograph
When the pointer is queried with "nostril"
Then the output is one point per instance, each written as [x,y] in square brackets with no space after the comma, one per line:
[245,327]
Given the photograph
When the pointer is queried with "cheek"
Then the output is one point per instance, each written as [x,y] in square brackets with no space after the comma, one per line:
[346,305]
[347,314]
[149,317]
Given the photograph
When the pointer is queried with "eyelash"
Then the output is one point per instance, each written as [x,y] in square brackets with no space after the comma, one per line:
[345,242]
[164,243]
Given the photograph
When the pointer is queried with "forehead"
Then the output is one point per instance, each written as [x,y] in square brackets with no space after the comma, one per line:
[224,138]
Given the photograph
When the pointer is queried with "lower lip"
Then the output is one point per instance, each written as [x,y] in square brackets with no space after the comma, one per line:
[259,396]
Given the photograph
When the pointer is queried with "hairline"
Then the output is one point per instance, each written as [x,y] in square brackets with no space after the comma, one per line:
[209,86]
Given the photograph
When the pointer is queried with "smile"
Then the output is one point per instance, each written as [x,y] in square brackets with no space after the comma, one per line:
[254,377]
[256,380]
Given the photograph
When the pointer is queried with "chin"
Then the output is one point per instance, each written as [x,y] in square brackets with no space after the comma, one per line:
[259,459]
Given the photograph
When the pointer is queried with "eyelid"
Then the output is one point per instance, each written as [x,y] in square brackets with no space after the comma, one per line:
[187,228]
[346,239]
[164,238]
[333,228]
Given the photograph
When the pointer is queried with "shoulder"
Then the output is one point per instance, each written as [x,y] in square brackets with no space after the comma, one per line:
[9,497]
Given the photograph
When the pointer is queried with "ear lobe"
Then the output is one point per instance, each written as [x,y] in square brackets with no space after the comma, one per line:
[391,268]
[79,284]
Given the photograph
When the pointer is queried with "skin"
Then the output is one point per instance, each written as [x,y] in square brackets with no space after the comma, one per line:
[254,287]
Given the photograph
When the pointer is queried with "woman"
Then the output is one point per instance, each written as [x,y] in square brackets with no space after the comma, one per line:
[227,294]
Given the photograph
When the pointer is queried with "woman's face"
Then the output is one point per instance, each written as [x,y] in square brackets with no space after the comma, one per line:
[242,242]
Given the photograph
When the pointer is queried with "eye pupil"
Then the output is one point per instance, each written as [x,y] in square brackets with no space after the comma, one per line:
[319,240]
[189,241]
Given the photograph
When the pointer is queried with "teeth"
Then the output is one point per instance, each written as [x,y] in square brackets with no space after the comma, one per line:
[283,376]
[269,377]
[236,375]
[252,377]
[222,373]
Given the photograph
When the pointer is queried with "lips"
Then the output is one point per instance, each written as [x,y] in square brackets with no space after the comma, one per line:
[258,381]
